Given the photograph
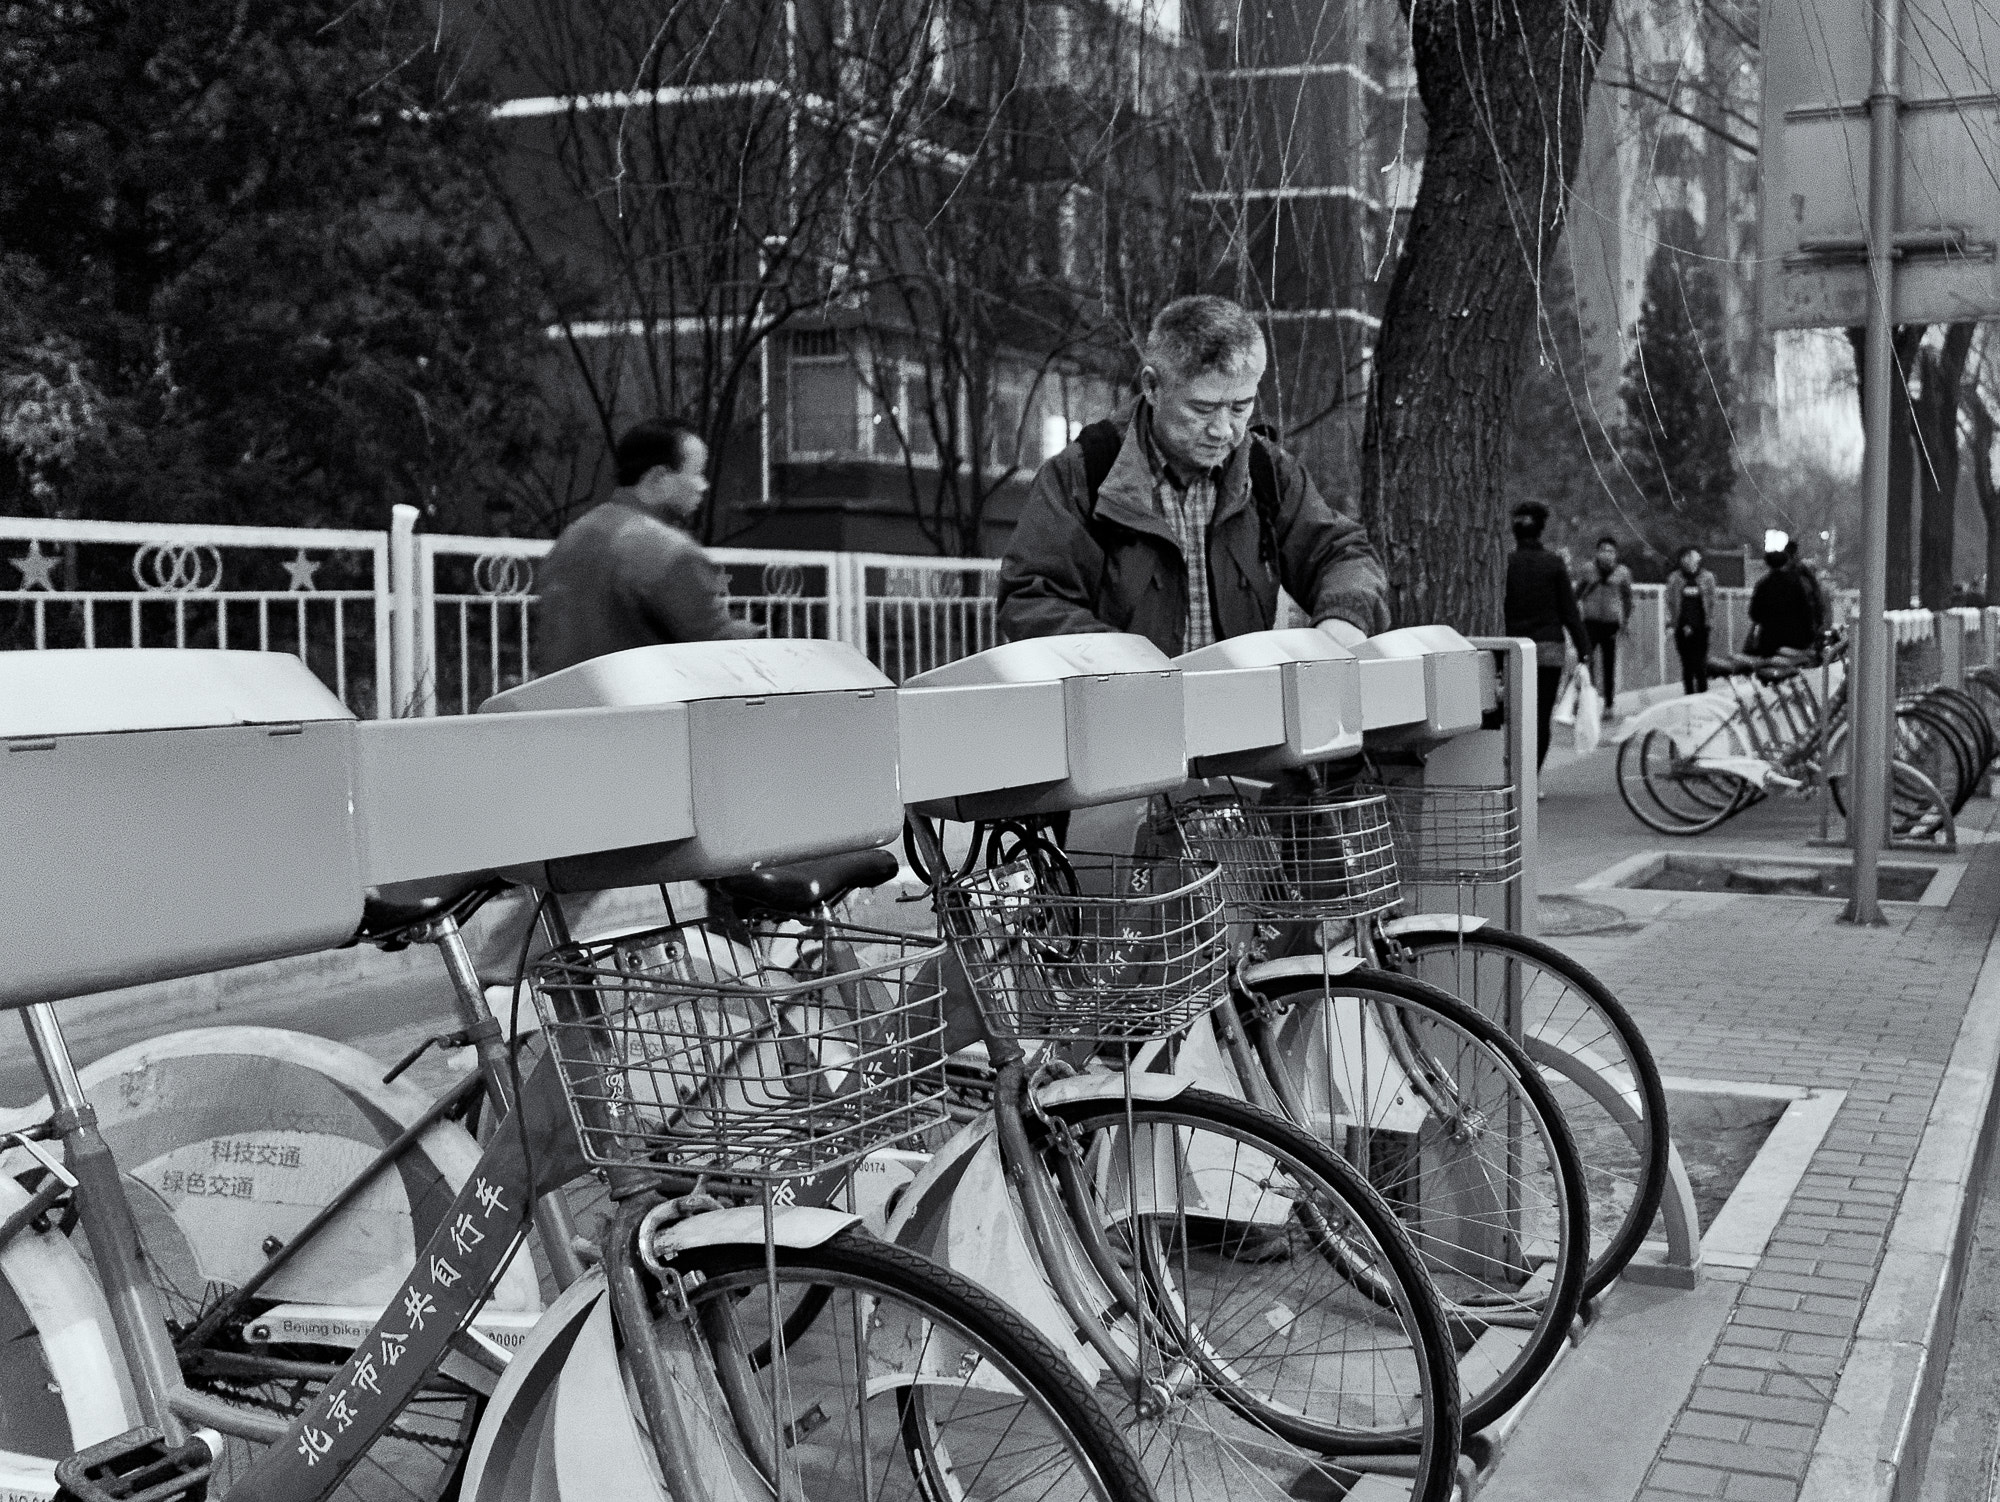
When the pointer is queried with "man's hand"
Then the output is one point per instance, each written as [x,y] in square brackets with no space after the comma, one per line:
[1345,632]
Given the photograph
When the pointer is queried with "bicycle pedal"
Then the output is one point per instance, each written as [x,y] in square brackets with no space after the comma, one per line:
[136,1466]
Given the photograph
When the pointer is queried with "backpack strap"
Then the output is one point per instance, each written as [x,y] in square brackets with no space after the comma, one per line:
[1100,442]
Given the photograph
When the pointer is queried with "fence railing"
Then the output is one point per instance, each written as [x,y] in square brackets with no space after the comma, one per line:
[401,622]
[132,584]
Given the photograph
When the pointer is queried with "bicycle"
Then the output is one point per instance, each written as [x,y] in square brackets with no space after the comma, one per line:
[1254,1309]
[1444,1112]
[684,1242]
[1689,764]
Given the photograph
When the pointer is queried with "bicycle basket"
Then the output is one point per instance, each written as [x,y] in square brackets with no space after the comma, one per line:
[1289,862]
[1455,836]
[671,1061]
[1098,948]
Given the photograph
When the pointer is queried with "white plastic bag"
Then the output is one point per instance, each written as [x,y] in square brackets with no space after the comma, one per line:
[1565,710]
[1589,728]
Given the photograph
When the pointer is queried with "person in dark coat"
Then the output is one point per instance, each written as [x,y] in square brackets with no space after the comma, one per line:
[1783,615]
[627,573]
[1541,606]
[1173,547]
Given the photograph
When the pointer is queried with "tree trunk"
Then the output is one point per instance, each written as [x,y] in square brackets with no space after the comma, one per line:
[1985,486]
[1902,449]
[1940,385]
[1504,89]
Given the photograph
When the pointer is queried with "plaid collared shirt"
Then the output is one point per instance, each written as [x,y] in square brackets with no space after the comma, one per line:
[1188,512]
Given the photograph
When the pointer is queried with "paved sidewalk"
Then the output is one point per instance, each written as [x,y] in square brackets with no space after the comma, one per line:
[1776,991]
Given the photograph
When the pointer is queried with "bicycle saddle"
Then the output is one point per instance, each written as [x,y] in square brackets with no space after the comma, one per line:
[394,906]
[805,887]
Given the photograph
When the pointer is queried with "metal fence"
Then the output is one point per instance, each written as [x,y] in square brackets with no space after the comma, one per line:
[321,594]
[400,622]
[1646,655]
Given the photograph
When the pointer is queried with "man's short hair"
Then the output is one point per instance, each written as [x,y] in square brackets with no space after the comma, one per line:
[1530,517]
[1606,542]
[645,446]
[1192,336]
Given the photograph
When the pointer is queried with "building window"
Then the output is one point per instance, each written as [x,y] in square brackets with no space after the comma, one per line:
[902,418]
[824,396]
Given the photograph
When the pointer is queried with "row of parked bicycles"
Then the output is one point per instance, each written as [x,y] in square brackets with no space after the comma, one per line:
[1248,1157]
[1690,764]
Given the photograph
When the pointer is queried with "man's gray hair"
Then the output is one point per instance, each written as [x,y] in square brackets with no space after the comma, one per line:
[1192,336]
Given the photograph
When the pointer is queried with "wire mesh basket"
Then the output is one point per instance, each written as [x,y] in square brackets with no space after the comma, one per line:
[1288,862]
[1456,836]
[684,1054]
[1094,948]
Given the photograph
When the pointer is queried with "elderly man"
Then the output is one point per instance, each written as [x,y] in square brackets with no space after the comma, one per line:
[1182,527]
[627,573]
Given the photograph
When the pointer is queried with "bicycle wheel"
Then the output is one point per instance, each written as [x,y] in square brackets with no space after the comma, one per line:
[1456,1129]
[1926,741]
[1278,1289]
[1590,1053]
[230,1140]
[1965,712]
[1665,792]
[908,1381]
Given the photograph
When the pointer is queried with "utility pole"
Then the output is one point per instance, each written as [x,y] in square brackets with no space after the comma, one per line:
[1868,823]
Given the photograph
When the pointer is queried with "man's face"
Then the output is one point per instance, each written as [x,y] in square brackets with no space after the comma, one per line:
[1607,556]
[677,493]
[1691,561]
[1198,420]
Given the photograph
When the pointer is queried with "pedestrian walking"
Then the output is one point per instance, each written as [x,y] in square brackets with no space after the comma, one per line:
[627,573]
[1179,524]
[1541,606]
[1690,615]
[1604,595]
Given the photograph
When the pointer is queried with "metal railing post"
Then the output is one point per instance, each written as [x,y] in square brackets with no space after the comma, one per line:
[403,584]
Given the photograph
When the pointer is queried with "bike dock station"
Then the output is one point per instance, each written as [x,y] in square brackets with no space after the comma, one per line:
[1181,915]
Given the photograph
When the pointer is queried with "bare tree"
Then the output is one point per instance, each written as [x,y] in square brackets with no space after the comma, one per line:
[706,177]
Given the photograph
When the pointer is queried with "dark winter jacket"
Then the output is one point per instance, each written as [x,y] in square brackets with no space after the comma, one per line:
[1540,604]
[1066,570]
[1782,614]
[620,577]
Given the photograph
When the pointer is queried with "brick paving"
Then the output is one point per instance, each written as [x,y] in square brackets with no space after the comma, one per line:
[1779,991]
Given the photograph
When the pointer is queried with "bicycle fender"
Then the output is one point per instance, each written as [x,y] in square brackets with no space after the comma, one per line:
[56,1290]
[1111,1087]
[794,1226]
[1312,966]
[1434,923]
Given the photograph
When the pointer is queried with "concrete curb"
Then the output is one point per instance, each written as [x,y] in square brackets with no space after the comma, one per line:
[1877,1432]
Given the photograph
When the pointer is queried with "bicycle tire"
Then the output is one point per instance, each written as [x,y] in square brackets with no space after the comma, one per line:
[1966,712]
[1578,1016]
[1982,686]
[1927,741]
[1648,805]
[1491,1079]
[1200,1270]
[732,1282]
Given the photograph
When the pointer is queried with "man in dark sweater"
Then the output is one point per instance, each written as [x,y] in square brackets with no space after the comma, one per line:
[1542,607]
[626,573]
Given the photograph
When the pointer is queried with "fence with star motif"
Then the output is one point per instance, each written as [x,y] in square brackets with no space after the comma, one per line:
[401,622]
[322,594]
